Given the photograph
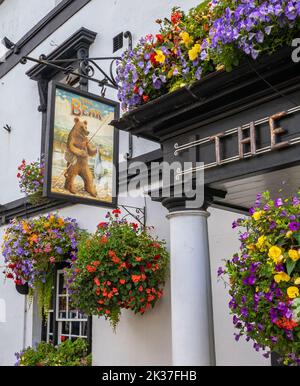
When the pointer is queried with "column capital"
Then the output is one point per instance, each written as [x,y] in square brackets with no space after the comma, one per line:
[178,204]
[190,212]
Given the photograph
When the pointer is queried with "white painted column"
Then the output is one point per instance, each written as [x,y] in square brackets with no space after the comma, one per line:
[192,319]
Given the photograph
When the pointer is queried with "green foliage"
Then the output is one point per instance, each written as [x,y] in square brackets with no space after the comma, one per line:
[68,353]
[31,249]
[121,266]
[264,277]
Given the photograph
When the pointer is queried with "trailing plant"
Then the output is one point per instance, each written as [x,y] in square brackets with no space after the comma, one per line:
[31,180]
[120,266]
[264,277]
[68,353]
[31,248]
[215,35]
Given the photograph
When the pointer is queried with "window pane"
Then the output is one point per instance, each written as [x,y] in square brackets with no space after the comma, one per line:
[75,328]
[65,328]
[61,284]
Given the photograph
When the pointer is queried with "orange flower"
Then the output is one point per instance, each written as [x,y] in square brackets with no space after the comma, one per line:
[111,253]
[138,258]
[100,301]
[90,268]
[103,240]
[122,281]
[136,278]
[116,260]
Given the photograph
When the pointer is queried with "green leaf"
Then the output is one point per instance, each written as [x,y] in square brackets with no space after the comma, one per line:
[290,265]
[297,237]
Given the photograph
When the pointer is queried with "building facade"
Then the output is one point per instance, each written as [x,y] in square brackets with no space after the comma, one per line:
[62,28]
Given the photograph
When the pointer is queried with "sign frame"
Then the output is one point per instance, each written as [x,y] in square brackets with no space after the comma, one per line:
[48,154]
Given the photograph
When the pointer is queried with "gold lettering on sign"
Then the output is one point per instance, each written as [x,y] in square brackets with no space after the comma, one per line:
[248,140]
[216,139]
[277,131]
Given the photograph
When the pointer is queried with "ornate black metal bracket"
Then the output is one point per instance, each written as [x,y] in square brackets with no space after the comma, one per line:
[139,214]
[87,68]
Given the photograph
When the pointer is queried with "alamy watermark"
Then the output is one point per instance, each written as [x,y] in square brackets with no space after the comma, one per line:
[163,180]
[296,51]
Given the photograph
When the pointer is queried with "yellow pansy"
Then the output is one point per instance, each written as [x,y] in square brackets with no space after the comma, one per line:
[194,52]
[25,226]
[261,242]
[293,254]
[292,292]
[281,276]
[251,247]
[60,222]
[170,73]
[186,39]
[257,215]
[297,281]
[160,57]
[288,234]
[275,254]
[33,238]
[220,67]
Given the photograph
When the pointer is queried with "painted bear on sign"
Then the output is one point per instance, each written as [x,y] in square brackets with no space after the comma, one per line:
[78,151]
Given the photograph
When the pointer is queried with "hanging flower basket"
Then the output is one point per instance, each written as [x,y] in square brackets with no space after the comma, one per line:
[121,266]
[22,289]
[264,278]
[31,180]
[214,36]
[32,247]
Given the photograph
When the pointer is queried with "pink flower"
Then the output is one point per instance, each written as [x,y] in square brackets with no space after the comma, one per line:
[52,259]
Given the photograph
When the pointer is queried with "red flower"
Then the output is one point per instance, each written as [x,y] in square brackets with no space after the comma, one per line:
[134,226]
[108,283]
[138,258]
[142,269]
[142,310]
[18,282]
[122,281]
[116,212]
[150,298]
[11,265]
[96,263]
[18,175]
[152,58]
[90,268]
[156,257]
[141,289]
[107,312]
[114,290]
[175,17]
[148,265]
[10,276]
[145,98]
[135,89]
[97,281]
[136,278]
[63,338]
[102,225]
[159,38]
[155,245]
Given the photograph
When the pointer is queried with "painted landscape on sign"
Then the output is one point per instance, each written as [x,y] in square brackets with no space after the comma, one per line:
[83,147]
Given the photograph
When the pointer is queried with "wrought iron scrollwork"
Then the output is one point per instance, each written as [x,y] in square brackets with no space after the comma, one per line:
[87,68]
[139,214]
